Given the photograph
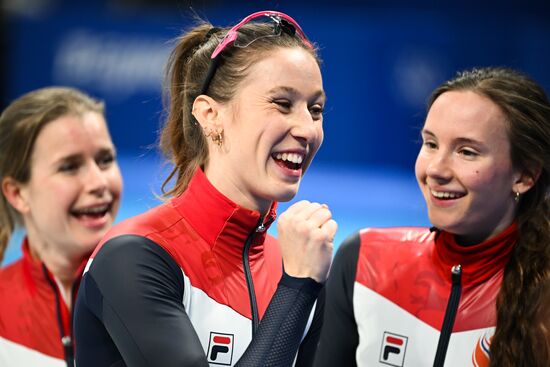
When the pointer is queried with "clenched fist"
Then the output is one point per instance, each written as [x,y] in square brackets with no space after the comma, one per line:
[306,233]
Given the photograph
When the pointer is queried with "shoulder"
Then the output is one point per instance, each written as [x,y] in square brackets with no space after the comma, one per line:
[11,277]
[366,238]
[148,224]
[395,240]
[396,234]
[132,257]
[9,270]
[382,250]
[153,220]
[126,248]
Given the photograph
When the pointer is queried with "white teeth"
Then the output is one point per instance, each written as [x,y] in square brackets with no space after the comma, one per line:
[445,194]
[291,157]
[95,210]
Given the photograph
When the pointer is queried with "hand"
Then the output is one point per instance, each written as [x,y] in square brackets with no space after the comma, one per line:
[306,234]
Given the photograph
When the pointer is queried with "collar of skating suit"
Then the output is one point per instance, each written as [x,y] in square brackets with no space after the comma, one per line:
[479,262]
[217,219]
[36,274]
[32,269]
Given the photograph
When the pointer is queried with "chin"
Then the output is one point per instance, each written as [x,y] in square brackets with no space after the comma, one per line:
[285,195]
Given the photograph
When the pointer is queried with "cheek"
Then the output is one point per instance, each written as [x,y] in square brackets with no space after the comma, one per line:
[480,178]
[420,168]
[320,136]
[59,194]
[115,181]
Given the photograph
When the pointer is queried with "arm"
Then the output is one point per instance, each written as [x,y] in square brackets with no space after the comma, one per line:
[282,327]
[134,291]
[306,353]
[339,336]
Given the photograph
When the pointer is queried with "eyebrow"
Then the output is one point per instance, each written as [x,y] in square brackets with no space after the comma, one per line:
[461,140]
[79,156]
[295,92]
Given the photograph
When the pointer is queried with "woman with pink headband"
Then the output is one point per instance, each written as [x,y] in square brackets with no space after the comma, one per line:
[197,280]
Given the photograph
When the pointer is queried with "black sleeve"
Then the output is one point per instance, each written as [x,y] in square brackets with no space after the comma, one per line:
[129,311]
[339,336]
[282,327]
[307,350]
[134,289]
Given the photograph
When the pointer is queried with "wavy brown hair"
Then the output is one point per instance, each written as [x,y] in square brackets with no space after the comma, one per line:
[520,340]
[20,124]
[181,139]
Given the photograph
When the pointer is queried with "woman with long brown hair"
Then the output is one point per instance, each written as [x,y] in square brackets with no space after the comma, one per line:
[469,290]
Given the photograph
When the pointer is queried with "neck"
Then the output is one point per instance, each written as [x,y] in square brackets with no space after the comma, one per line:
[62,266]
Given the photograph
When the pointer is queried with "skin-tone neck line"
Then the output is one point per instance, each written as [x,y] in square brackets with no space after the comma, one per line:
[61,265]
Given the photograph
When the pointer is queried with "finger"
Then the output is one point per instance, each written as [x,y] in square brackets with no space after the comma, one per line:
[297,207]
[330,227]
[308,211]
[320,216]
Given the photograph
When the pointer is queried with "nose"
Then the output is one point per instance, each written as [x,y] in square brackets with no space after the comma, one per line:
[305,128]
[439,167]
[96,179]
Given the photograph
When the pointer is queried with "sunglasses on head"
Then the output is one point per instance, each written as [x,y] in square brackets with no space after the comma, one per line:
[281,23]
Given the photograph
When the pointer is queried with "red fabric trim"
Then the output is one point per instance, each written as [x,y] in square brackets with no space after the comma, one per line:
[479,262]
[205,233]
[403,266]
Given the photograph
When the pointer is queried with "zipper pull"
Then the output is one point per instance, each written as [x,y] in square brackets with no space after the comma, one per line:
[66,341]
[263,226]
[456,274]
[450,315]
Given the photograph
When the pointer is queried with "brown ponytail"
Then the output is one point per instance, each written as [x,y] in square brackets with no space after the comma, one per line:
[181,139]
[519,339]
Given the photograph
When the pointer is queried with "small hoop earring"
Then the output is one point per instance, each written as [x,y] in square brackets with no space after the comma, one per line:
[516,196]
[218,138]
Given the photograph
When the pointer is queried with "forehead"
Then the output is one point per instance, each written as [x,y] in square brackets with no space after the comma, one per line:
[284,67]
[466,114]
[70,133]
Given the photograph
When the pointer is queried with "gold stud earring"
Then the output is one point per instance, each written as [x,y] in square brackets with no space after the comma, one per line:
[218,138]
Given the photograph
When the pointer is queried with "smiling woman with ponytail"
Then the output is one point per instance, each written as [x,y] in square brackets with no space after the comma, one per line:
[197,280]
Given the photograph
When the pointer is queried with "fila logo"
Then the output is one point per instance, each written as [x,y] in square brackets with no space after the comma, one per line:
[393,349]
[220,348]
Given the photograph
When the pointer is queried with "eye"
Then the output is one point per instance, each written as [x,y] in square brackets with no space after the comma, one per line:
[429,144]
[69,166]
[316,111]
[468,153]
[105,159]
[283,104]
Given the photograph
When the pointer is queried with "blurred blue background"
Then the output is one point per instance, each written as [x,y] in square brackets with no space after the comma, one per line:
[381,60]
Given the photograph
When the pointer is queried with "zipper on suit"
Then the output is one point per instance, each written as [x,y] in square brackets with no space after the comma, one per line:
[450,314]
[66,336]
[260,228]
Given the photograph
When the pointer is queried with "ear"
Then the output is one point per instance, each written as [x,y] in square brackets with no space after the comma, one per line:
[207,112]
[14,192]
[525,180]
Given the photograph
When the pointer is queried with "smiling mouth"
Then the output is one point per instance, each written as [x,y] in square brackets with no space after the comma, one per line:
[291,161]
[446,195]
[92,212]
